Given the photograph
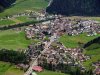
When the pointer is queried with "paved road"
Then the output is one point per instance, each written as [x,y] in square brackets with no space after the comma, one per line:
[52,39]
[34,63]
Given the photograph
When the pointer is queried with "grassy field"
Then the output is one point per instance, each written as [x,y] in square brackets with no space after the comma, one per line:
[20,7]
[25,5]
[51,73]
[85,18]
[23,18]
[6,22]
[14,40]
[8,69]
[94,52]
[11,21]
[72,41]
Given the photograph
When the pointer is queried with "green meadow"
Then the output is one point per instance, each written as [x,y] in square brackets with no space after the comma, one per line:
[8,69]
[25,5]
[14,40]
[6,22]
[46,72]
[72,41]
[93,51]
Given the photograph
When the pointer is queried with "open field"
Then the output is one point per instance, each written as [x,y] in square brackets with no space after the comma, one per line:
[51,73]
[85,18]
[6,22]
[23,19]
[14,40]
[25,5]
[94,52]
[8,69]
[11,21]
[72,41]
[22,6]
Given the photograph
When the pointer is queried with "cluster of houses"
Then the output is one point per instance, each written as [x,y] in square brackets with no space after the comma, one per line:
[36,31]
[34,50]
[63,25]
[75,27]
[77,54]
[29,13]
[55,55]
[58,54]
[97,68]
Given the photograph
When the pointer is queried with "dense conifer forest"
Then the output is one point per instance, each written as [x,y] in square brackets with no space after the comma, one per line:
[75,7]
[5,4]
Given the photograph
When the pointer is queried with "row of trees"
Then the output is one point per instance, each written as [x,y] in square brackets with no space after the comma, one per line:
[96,40]
[12,56]
[18,25]
[23,24]
[68,69]
[75,7]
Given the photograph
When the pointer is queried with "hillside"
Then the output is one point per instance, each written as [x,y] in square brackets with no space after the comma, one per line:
[92,50]
[75,7]
[5,4]
[21,6]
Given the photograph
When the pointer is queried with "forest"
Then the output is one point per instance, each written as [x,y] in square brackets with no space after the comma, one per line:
[5,4]
[75,7]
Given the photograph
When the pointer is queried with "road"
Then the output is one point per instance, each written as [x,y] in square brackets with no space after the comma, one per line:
[52,39]
[34,63]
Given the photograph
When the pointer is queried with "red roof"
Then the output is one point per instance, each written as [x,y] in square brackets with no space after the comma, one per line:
[37,68]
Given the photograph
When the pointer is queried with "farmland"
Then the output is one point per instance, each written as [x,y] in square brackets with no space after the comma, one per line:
[8,69]
[72,41]
[14,40]
[23,6]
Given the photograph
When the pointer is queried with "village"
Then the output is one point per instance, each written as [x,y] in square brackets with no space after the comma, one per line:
[49,53]
[57,53]
[49,37]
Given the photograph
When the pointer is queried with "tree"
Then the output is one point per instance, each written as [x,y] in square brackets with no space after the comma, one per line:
[12,56]
[75,7]
[5,4]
